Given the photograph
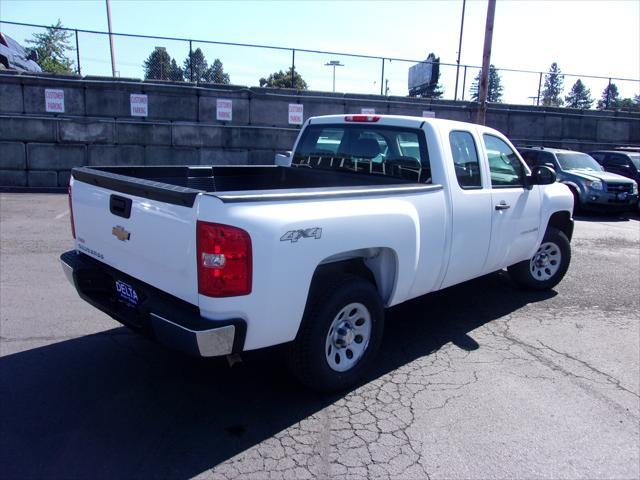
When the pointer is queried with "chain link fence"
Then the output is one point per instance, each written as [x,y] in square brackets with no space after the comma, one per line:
[210,62]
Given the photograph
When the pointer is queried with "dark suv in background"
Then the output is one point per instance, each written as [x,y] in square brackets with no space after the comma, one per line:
[592,187]
[625,163]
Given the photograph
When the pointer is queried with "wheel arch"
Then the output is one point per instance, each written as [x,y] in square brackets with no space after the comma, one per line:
[562,221]
[376,265]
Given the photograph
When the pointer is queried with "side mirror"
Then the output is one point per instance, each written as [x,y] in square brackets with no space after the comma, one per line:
[542,175]
[32,55]
[283,159]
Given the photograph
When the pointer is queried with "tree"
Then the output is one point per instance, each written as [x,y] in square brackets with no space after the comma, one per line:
[217,75]
[196,68]
[51,47]
[494,90]
[553,86]
[160,66]
[629,104]
[610,97]
[283,80]
[579,96]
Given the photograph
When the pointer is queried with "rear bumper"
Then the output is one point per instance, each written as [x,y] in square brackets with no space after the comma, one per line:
[168,319]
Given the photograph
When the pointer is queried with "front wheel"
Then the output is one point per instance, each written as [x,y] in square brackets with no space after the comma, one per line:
[548,265]
[339,336]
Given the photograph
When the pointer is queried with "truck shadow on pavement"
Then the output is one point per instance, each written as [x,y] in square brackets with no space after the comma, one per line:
[119,406]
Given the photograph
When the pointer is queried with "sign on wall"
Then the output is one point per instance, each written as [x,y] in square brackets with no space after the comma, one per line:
[428,114]
[296,113]
[368,111]
[139,105]
[224,110]
[54,100]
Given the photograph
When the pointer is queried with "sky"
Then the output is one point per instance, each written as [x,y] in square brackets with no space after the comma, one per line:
[600,38]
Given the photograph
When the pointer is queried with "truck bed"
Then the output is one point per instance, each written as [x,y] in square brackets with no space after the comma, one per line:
[181,184]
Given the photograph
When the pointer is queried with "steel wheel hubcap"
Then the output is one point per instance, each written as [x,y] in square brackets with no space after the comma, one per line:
[348,337]
[546,262]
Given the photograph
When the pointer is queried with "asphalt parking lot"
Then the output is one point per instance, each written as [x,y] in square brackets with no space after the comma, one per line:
[477,381]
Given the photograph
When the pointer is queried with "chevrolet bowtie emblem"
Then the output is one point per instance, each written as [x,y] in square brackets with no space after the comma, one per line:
[120,233]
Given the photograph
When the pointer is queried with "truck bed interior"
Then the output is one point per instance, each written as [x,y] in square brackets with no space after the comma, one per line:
[243,178]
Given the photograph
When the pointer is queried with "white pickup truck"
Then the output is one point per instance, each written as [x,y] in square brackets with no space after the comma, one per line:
[371,211]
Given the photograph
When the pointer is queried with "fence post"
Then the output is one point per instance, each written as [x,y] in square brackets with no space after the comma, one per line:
[78,53]
[293,68]
[539,87]
[190,62]
[608,94]
[464,82]
[382,78]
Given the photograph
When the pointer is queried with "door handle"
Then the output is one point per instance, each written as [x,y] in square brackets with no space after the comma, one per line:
[502,206]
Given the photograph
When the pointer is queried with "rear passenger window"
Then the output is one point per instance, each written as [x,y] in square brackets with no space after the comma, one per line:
[504,165]
[465,159]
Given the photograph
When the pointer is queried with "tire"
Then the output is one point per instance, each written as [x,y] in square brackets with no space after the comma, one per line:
[540,272]
[339,336]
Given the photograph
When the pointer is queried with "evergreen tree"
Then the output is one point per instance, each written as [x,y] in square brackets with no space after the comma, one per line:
[553,86]
[629,104]
[200,72]
[494,90]
[51,47]
[610,97]
[160,66]
[579,96]
[216,73]
[283,80]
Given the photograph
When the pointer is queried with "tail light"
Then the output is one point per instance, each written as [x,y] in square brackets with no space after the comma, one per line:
[362,118]
[73,225]
[224,260]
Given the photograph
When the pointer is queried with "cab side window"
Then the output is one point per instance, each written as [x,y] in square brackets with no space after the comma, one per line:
[504,165]
[465,159]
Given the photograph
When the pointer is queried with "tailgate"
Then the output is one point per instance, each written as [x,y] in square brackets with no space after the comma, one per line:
[147,238]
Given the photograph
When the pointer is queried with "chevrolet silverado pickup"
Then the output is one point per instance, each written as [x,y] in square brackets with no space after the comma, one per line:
[369,211]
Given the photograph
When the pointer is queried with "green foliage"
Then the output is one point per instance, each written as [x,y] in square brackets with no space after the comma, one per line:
[553,87]
[629,104]
[610,98]
[494,90]
[160,66]
[200,72]
[217,75]
[579,96]
[283,80]
[51,47]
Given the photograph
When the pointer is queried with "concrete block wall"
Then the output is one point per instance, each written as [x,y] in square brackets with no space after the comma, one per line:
[38,148]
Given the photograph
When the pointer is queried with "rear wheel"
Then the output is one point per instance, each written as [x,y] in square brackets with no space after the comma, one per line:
[339,336]
[546,268]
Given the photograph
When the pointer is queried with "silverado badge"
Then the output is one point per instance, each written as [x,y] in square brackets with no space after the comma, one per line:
[120,233]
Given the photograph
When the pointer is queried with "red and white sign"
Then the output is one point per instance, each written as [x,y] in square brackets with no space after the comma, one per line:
[368,111]
[54,100]
[296,114]
[428,114]
[224,110]
[139,105]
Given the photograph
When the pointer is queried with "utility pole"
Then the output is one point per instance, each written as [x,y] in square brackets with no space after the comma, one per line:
[455,96]
[486,60]
[113,58]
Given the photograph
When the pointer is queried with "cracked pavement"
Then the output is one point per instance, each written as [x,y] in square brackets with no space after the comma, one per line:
[478,381]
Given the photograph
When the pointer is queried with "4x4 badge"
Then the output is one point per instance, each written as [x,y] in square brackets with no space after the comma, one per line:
[295,235]
[120,233]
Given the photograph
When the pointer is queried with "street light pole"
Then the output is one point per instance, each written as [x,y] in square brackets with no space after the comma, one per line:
[113,59]
[455,96]
[334,64]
